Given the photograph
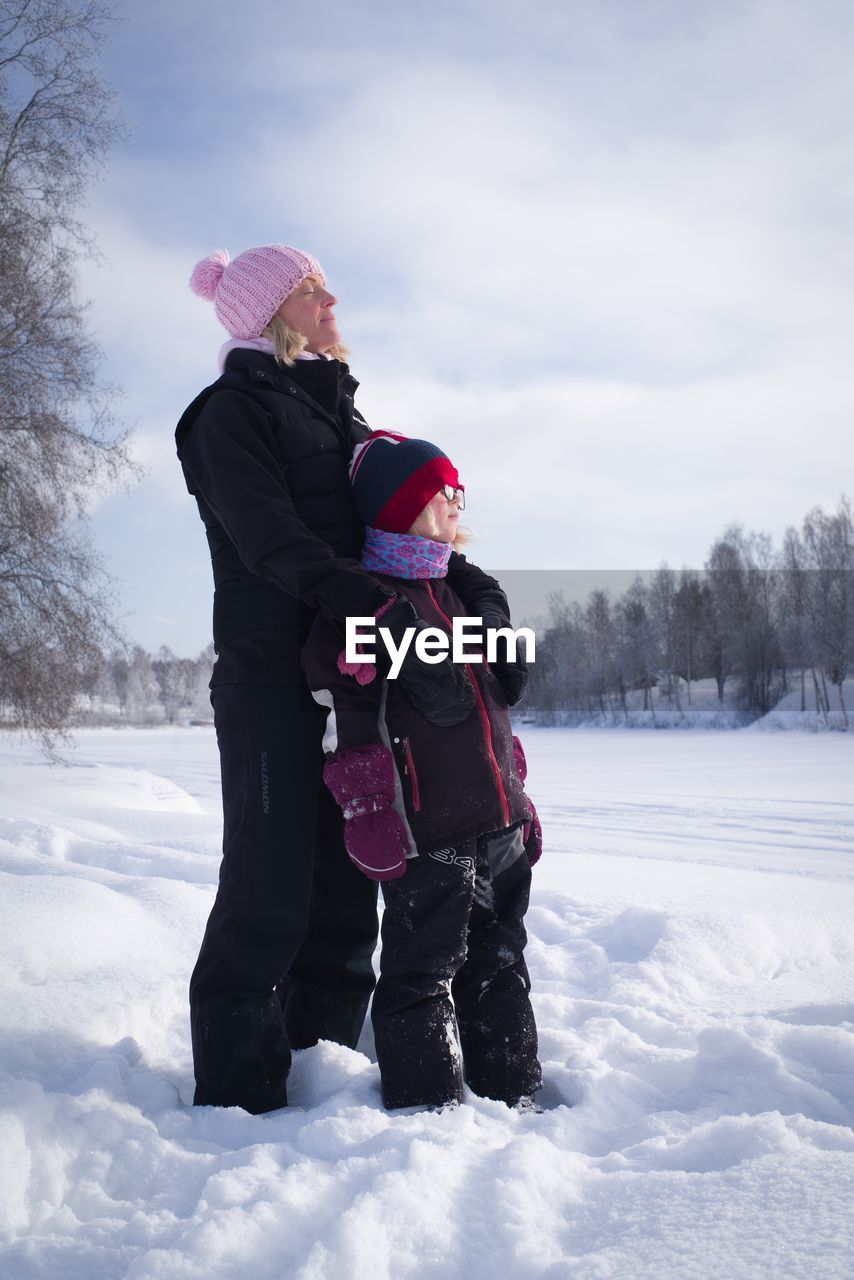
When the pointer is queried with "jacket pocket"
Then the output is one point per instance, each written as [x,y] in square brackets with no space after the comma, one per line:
[402,750]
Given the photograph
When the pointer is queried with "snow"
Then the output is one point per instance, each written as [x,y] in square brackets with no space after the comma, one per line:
[693,966]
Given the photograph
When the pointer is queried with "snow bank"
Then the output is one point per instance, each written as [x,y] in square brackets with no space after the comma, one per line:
[693,972]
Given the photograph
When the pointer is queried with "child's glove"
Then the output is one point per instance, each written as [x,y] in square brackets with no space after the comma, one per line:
[532,835]
[511,674]
[362,781]
[364,672]
[532,832]
[441,691]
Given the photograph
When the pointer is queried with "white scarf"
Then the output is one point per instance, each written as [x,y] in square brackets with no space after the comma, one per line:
[265,345]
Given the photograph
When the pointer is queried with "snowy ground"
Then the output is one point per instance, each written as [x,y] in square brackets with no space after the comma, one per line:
[693,965]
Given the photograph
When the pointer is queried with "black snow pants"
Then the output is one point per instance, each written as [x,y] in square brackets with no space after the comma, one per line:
[286,955]
[452,1002]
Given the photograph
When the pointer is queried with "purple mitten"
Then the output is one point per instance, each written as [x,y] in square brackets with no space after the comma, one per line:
[363,672]
[362,781]
[519,759]
[532,832]
[532,835]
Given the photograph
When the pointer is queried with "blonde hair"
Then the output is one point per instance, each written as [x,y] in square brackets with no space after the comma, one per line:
[288,342]
[462,535]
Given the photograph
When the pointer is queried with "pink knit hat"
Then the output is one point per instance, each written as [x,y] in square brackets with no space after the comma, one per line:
[248,292]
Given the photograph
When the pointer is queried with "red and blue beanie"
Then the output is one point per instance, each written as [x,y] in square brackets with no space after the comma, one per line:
[394,478]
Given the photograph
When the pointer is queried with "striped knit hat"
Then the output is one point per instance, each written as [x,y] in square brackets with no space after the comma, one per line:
[248,291]
[394,478]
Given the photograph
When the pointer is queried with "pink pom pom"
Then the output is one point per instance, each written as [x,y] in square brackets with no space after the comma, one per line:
[362,672]
[207,274]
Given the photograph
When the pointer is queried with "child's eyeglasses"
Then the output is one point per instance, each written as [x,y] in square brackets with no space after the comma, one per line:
[454,495]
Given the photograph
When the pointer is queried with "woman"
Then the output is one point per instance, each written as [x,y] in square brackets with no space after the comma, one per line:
[286,956]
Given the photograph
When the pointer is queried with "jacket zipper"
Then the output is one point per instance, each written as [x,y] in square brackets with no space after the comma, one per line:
[331,418]
[413,776]
[484,716]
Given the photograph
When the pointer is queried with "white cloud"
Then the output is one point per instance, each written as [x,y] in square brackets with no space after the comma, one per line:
[599,252]
[591,475]
[505,227]
[155,333]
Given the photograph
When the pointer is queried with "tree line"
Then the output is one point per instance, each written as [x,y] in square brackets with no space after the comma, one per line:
[135,687]
[757,620]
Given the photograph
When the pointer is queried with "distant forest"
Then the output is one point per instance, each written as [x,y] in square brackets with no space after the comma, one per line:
[757,621]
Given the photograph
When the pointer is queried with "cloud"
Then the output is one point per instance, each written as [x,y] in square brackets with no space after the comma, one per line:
[154,332]
[497,222]
[599,252]
[587,474]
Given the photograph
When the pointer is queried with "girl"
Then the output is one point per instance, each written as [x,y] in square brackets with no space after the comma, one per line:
[436,813]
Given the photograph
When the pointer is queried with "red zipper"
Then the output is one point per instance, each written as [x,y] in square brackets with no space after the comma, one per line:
[484,715]
[413,776]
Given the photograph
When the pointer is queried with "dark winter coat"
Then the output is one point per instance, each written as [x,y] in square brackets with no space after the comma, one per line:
[453,783]
[265,452]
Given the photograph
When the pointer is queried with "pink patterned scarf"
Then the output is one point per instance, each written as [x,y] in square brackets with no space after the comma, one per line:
[405,555]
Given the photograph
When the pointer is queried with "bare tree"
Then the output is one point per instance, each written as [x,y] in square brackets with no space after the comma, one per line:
[603,676]
[638,644]
[692,607]
[120,673]
[829,543]
[175,682]
[142,687]
[743,584]
[559,676]
[662,598]
[58,443]
[200,702]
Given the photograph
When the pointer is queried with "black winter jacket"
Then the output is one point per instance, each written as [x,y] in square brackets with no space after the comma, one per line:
[265,452]
[453,783]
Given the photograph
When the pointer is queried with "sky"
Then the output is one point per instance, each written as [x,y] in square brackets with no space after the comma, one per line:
[599,252]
